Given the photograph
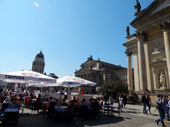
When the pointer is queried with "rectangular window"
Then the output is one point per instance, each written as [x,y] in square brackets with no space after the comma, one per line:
[102,65]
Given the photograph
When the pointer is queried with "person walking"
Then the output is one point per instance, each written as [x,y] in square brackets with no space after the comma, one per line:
[148,103]
[143,100]
[164,105]
[124,100]
[111,99]
[167,107]
[105,98]
[120,103]
[160,108]
[117,98]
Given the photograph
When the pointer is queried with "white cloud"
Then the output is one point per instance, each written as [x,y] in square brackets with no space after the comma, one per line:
[36,4]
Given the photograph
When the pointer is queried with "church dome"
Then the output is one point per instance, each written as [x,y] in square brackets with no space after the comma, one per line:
[53,75]
[40,55]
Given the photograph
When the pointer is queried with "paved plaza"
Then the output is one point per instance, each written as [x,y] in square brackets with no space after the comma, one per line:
[132,116]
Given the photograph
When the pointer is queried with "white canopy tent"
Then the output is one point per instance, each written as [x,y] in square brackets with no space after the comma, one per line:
[26,77]
[71,81]
[31,78]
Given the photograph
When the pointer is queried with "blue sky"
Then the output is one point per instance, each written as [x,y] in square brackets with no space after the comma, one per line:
[67,31]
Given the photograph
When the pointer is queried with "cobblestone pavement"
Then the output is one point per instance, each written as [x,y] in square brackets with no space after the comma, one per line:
[131,117]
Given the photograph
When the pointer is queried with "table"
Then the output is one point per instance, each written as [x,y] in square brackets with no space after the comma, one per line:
[33,100]
[60,108]
[45,102]
[108,108]
[11,110]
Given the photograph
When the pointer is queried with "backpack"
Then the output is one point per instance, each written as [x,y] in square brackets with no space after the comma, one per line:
[157,105]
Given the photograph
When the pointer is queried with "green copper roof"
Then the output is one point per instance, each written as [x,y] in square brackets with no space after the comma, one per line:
[40,55]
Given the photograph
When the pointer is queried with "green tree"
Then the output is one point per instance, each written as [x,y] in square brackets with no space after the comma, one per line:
[134,97]
[113,88]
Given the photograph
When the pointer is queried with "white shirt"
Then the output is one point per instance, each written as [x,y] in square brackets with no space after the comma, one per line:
[168,103]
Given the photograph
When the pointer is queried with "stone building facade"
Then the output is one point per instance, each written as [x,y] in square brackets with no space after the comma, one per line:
[38,63]
[150,48]
[101,72]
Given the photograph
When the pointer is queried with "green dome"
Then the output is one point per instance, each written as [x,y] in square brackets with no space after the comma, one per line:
[40,55]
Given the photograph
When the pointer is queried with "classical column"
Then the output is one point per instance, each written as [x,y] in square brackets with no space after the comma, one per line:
[97,66]
[129,71]
[165,27]
[136,70]
[148,69]
[141,60]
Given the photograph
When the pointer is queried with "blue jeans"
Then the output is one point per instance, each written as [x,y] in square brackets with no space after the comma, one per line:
[167,112]
[144,107]
[161,111]
[149,108]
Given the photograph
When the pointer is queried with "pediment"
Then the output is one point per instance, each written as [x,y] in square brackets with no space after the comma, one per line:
[162,6]
[89,62]
[82,70]
[154,7]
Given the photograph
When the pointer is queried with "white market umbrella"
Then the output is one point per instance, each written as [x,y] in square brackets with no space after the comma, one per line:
[26,77]
[71,81]
[29,77]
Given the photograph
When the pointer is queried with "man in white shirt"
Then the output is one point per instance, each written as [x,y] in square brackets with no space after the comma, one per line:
[160,110]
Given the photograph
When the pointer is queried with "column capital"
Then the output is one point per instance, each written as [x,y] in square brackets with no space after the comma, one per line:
[128,53]
[140,36]
[165,25]
[134,51]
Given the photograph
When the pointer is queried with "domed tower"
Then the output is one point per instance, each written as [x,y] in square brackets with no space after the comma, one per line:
[38,63]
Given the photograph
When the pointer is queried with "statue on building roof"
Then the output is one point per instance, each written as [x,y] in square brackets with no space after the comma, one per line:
[137,6]
[90,58]
[128,31]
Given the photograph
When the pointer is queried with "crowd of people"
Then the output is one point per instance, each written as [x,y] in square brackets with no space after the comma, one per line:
[162,105]
[162,102]
[121,99]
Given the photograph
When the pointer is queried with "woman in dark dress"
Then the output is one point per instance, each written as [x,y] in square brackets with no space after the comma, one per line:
[124,99]
[148,103]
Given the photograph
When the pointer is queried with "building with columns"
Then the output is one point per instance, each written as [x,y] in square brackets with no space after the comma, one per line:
[150,48]
[38,64]
[101,72]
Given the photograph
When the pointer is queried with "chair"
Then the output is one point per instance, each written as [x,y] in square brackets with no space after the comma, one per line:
[28,102]
[10,119]
[22,108]
[95,110]
[83,112]
[36,106]
[5,105]
[52,104]
[18,99]
[64,104]
[51,114]
[45,108]
[71,113]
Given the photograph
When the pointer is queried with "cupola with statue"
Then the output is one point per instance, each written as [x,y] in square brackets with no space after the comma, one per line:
[90,58]
[38,63]
[40,55]
[53,75]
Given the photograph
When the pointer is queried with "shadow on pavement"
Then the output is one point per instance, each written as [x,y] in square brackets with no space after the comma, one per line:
[38,120]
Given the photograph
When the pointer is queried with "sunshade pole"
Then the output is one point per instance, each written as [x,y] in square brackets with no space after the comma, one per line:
[68,93]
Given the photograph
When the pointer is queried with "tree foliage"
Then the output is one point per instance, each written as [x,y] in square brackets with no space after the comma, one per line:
[134,97]
[113,88]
